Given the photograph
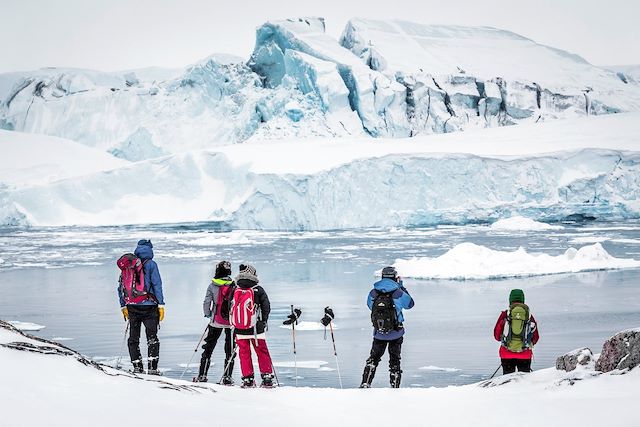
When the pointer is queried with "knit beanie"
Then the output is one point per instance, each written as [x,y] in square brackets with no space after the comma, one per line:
[516,295]
[247,272]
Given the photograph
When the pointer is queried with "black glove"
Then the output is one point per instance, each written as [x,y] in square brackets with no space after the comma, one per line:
[328,316]
[261,326]
[293,317]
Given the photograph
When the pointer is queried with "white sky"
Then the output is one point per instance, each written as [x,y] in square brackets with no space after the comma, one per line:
[123,34]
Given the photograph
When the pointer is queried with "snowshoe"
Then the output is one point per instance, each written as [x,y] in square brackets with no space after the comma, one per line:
[248,382]
[200,379]
[154,372]
[267,381]
[226,381]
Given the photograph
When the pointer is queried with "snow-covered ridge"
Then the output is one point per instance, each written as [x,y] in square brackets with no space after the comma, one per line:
[352,183]
[471,261]
[72,389]
[393,79]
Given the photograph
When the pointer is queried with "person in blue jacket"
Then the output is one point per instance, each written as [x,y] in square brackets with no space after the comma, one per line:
[149,312]
[386,301]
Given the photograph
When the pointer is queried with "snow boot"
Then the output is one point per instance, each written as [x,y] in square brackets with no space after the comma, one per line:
[154,372]
[267,381]
[226,380]
[248,382]
[200,379]
[394,378]
[138,367]
[367,375]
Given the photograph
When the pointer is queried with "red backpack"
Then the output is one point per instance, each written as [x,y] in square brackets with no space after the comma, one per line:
[132,279]
[223,308]
[243,311]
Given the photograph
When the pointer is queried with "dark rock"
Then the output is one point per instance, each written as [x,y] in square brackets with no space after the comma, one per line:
[569,362]
[621,351]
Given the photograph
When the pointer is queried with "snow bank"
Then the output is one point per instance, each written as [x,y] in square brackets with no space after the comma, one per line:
[471,261]
[516,223]
[74,392]
[26,326]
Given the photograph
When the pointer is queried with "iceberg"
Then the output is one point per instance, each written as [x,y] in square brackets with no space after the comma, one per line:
[383,79]
[519,223]
[470,261]
[326,184]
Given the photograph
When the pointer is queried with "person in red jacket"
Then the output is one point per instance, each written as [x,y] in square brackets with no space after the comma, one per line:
[517,331]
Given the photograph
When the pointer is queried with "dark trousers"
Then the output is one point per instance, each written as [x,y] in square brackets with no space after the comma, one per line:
[509,365]
[147,315]
[377,351]
[210,342]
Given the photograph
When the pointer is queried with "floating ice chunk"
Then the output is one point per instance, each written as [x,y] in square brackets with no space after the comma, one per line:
[26,326]
[303,364]
[438,368]
[308,326]
[521,223]
[471,261]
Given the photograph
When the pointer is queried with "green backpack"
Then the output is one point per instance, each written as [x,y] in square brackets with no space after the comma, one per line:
[516,334]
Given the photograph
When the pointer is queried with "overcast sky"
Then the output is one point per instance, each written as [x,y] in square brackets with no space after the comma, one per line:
[123,34]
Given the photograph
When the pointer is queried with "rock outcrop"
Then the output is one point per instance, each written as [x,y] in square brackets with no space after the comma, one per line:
[621,351]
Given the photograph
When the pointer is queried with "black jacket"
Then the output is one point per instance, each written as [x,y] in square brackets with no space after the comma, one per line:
[264,307]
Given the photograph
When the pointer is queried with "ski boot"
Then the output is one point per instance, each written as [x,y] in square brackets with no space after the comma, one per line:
[226,380]
[267,381]
[394,378]
[200,379]
[248,382]
[138,367]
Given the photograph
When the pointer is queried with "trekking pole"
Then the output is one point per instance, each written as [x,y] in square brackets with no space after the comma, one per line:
[295,354]
[335,353]
[124,339]
[496,371]
[194,351]
[292,319]
[226,365]
[327,320]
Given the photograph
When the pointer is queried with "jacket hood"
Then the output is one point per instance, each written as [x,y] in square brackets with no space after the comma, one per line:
[222,281]
[386,285]
[144,251]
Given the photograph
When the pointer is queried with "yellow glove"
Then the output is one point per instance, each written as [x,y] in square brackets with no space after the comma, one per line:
[161,312]
[125,313]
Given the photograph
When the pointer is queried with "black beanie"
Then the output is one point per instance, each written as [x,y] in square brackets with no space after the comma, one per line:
[223,269]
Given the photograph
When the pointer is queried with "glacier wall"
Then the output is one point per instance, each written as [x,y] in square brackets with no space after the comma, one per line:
[382,79]
[394,190]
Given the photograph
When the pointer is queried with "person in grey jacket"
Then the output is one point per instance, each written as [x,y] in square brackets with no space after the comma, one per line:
[216,307]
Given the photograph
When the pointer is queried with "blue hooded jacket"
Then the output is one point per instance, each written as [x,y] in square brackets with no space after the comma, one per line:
[152,279]
[401,299]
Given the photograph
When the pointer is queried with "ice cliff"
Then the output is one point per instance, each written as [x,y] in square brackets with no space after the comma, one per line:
[382,79]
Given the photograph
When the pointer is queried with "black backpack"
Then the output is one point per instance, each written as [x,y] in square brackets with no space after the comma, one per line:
[384,316]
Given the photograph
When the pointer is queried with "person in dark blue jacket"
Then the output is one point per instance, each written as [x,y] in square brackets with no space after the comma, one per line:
[149,312]
[386,301]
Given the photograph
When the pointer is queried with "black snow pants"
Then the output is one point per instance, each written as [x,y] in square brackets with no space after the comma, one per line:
[210,342]
[509,365]
[377,351]
[147,315]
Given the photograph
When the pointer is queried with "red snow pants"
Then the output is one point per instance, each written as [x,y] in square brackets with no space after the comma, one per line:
[246,363]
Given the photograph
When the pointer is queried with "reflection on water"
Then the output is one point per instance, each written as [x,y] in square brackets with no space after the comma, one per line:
[66,279]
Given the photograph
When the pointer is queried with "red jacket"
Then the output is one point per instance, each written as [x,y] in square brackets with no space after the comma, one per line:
[506,353]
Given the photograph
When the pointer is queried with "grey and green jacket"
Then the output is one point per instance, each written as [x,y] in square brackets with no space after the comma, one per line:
[211,300]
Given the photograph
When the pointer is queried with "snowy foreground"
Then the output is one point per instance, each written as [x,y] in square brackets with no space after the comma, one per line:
[72,390]
[549,171]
